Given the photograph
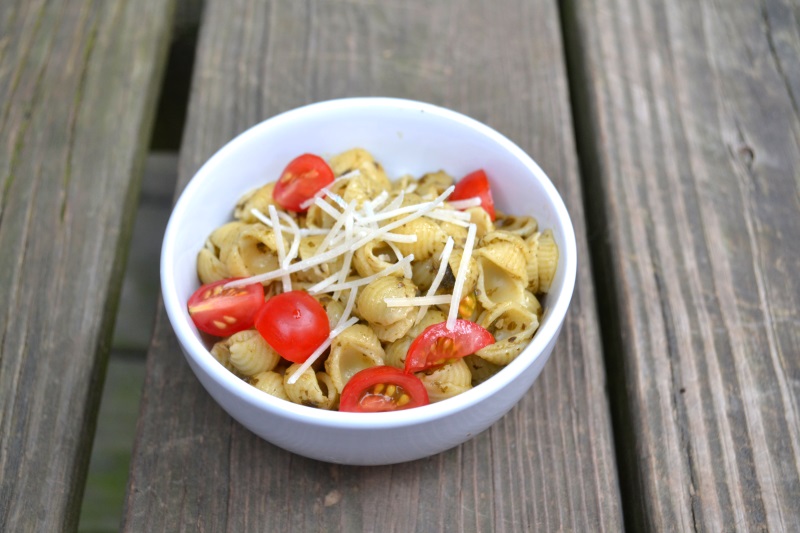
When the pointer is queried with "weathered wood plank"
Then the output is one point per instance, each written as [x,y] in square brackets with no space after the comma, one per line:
[549,464]
[78,82]
[691,132]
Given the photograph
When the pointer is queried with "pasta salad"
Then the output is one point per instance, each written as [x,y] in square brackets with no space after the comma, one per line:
[337,288]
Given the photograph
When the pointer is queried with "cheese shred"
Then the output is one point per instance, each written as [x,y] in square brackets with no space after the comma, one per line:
[320,350]
[418,300]
[437,280]
[273,216]
[357,232]
[461,277]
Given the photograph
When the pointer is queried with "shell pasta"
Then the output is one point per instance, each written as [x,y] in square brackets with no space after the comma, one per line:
[386,257]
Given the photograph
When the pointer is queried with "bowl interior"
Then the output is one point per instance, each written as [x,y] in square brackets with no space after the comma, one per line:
[407,138]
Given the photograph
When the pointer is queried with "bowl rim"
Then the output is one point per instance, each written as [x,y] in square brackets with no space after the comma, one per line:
[194,348]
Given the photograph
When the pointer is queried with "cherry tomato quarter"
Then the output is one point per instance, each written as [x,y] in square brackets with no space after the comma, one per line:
[475,184]
[223,312]
[302,178]
[437,345]
[294,324]
[382,388]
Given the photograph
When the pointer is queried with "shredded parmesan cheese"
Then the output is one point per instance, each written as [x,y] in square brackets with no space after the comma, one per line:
[464,204]
[348,308]
[394,204]
[293,251]
[406,269]
[341,327]
[273,215]
[348,259]
[368,212]
[418,300]
[346,176]
[328,208]
[317,287]
[399,237]
[383,215]
[288,229]
[378,201]
[437,280]
[421,211]
[296,267]
[449,213]
[345,321]
[445,216]
[325,190]
[320,350]
[349,245]
[461,277]
[346,217]
[369,279]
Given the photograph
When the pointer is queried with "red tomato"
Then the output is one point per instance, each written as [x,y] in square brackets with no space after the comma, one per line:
[475,184]
[301,179]
[294,324]
[437,345]
[223,312]
[382,388]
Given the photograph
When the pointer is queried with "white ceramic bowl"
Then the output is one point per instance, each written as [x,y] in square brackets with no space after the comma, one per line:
[406,137]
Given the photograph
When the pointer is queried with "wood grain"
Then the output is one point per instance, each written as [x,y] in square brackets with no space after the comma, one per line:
[691,138]
[549,464]
[77,89]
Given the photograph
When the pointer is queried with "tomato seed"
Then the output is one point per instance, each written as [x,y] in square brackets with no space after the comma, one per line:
[444,346]
[467,306]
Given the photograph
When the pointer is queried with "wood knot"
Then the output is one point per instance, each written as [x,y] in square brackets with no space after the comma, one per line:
[332,498]
[746,154]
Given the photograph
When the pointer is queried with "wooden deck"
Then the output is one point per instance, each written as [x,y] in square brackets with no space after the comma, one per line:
[78,85]
[671,129]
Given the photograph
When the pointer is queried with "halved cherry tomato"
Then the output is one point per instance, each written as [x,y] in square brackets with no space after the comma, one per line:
[382,388]
[300,180]
[475,184]
[437,345]
[294,324]
[222,312]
